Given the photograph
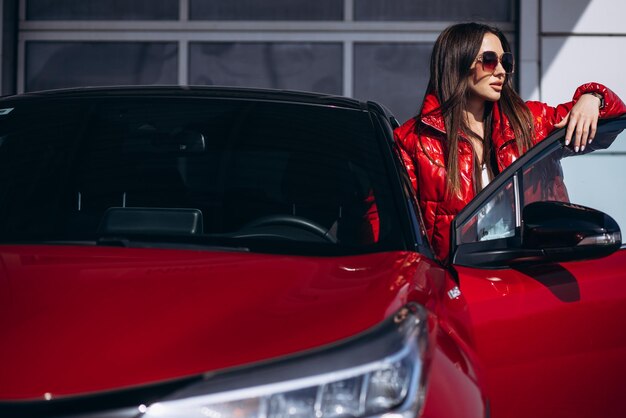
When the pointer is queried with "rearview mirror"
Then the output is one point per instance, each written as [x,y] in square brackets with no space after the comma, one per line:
[136,220]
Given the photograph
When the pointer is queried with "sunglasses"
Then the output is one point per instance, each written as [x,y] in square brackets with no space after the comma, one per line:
[490,59]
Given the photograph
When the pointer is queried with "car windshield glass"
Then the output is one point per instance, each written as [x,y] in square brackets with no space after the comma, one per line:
[178,170]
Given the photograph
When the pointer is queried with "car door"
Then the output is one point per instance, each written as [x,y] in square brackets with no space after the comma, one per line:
[545,279]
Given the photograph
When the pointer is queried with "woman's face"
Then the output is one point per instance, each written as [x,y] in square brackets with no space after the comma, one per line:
[487,85]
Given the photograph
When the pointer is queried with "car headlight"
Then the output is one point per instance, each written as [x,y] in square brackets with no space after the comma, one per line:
[374,373]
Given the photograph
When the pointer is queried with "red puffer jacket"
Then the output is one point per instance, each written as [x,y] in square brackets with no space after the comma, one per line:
[424,156]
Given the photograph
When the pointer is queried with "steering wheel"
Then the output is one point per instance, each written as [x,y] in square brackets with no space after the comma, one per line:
[293,222]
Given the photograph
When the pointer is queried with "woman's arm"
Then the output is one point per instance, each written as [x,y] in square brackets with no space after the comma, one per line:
[591,101]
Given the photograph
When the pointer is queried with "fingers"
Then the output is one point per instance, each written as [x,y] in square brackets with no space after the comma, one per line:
[592,131]
[571,128]
[582,130]
[582,124]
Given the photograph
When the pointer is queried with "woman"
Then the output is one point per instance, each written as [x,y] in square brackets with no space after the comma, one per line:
[473,125]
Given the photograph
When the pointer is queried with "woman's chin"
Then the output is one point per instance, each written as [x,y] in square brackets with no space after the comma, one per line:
[493,97]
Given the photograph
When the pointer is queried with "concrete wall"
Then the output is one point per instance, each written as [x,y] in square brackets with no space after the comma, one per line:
[565,43]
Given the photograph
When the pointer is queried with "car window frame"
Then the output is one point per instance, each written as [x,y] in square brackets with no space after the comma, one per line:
[404,194]
[514,173]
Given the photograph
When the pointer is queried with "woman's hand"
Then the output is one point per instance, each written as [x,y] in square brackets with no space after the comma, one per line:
[581,121]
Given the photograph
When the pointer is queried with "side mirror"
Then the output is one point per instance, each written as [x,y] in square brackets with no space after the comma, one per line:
[564,231]
[550,232]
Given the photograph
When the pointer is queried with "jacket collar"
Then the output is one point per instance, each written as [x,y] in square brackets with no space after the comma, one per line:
[501,128]
[431,113]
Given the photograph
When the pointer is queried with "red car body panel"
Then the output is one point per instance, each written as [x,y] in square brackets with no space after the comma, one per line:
[551,338]
[77,320]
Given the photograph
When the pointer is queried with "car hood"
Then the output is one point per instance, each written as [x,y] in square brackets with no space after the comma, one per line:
[78,320]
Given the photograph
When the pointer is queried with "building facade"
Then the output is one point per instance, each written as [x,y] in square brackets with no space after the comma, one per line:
[368,49]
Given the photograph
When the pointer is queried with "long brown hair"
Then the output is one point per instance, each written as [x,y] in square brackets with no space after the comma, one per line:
[454,52]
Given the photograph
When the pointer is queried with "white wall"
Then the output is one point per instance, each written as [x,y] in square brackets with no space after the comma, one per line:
[565,43]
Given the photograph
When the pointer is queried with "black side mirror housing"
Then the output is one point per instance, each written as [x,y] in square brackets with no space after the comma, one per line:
[564,231]
[550,232]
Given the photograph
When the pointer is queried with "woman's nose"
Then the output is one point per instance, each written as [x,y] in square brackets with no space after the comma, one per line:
[499,69]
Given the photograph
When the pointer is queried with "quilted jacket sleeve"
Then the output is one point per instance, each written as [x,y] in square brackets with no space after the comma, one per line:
[613,105]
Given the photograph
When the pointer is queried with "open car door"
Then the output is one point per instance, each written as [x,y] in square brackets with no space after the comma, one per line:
[540,262]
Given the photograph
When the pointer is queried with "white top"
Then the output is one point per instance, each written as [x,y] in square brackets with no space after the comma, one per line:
[484,176]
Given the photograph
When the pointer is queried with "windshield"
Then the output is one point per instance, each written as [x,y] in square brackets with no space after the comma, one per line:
[194,170]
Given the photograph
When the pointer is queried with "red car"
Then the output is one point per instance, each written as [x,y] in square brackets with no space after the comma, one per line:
[214,252]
